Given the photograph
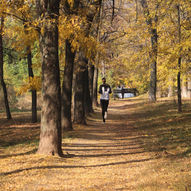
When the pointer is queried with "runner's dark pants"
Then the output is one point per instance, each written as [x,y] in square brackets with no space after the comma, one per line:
[104,106]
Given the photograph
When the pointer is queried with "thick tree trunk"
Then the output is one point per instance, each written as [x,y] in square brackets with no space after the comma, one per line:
[95,84]
[79,105]
[87,97]
[50,134]
[82,93]
[68,80]
[67,87]
[33,91]
[2,73]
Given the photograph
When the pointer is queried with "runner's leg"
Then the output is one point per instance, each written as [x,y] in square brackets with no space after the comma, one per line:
[106,106]
[103,109]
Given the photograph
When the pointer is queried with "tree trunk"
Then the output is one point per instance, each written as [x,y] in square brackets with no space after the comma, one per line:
[153,67]
[91,79]
[136,4]
[97,58]
[67,87]
[154,44]
[73,92]
[33,91]
[82,93]
[95,84]
[179,87]
[50,134]
[87,97]
[153,81]
[79,105]
[1,73]
[68,81]
[179,66]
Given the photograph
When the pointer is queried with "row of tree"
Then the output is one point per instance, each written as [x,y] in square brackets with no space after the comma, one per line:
[45,21]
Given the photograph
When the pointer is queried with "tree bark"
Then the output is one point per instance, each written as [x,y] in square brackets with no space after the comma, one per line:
[179,66]
[179,86]
[91,79]
[153,67]
[87,97]
[67,87]
[154,43]
[79,105]
[50,134]
[8,113]
[82,86]
[95,84]
[136,4]
[33,91]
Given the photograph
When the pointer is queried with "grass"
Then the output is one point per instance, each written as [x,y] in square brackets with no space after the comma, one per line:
[143,147]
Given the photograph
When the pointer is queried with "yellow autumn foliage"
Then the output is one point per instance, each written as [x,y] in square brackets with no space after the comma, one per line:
[70,27]
[132,51]
[124,44]
[30,83]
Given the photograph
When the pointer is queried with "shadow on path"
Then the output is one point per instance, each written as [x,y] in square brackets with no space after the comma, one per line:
[64,167]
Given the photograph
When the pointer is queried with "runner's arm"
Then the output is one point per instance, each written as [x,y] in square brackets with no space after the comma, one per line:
[100,89]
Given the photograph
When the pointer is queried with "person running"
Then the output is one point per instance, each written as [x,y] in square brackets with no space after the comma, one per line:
[104,90]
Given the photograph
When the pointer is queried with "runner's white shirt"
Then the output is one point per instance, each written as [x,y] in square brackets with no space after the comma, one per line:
[104,90]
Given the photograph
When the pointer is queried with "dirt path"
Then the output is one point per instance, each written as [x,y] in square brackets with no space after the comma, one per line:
[104,157]
[108,156]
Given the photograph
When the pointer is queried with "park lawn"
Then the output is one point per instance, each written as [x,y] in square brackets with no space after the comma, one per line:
[143,147]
